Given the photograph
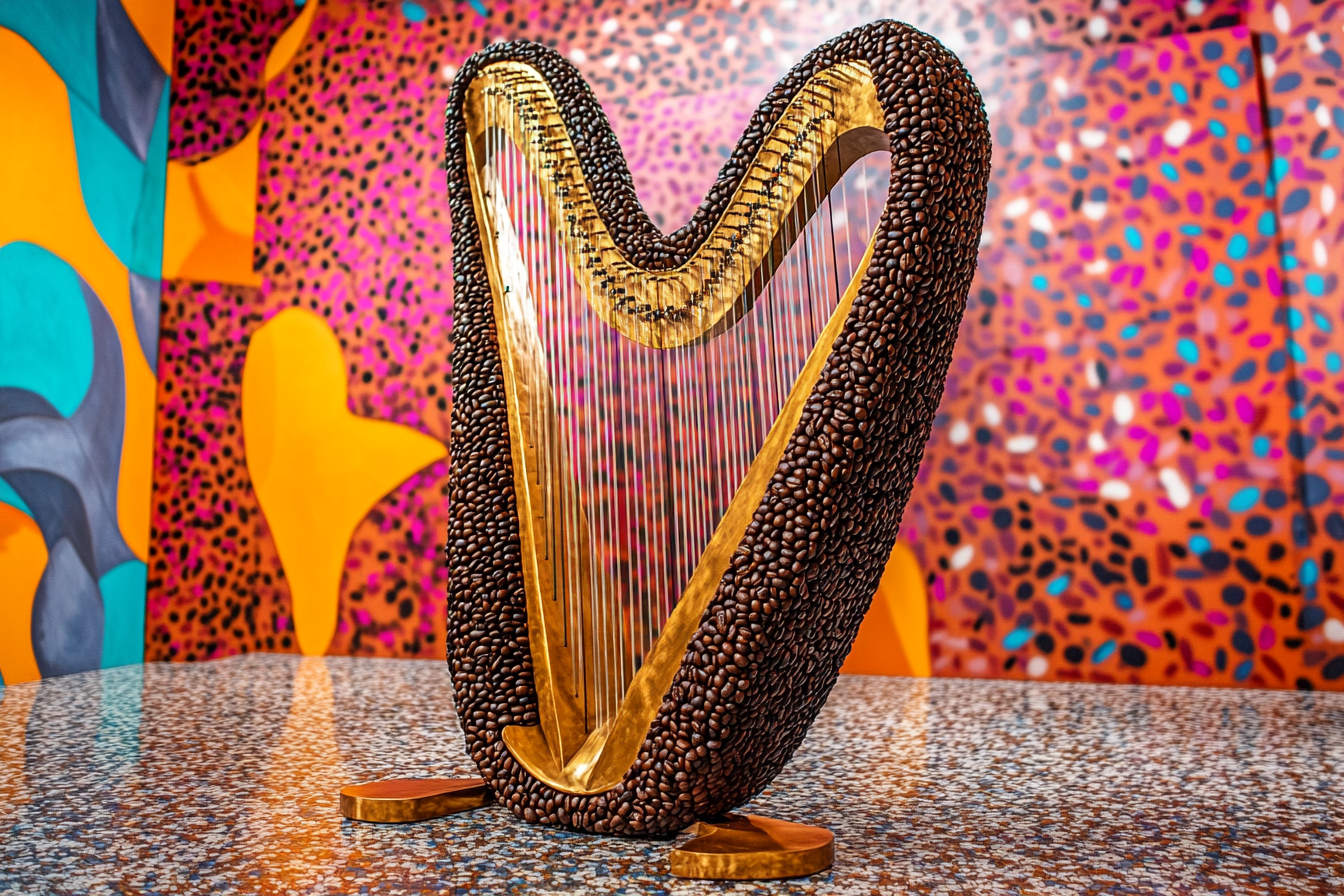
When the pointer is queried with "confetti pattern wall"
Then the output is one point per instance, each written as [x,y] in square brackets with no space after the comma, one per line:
[1133,476]
[84,94]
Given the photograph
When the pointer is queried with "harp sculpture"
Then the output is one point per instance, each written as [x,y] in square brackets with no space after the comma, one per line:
[680,461]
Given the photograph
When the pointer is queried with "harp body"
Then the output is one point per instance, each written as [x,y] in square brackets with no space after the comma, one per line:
[680,460]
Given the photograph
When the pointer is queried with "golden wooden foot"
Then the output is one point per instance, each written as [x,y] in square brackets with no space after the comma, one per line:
[749,847]
[412,799]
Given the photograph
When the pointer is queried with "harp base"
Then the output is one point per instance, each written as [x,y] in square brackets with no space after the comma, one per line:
[400,800]
[749,847]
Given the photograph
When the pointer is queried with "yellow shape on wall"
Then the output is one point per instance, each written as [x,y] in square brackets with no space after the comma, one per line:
[41,203]
[282,52]
[210,215]
[23,556]
[894,636]
[210,207]
[154,20]
[317,468]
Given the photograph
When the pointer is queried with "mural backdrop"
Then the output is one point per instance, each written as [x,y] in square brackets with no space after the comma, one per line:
[84,94]
[1134,476]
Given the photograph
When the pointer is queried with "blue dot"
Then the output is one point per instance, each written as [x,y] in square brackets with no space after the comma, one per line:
[1294,319]
[1332,362]
[1057,585]
[1244,143]
[1313,489]
[1199,544]
[1217,128]
[1243,670]
[1123,601]
[1237,246]
[1321,321]
[1102,653]
[1244,500]
[1222,275]
[1084,300]
[1179,93]
[1296,352]
[1130,331]
[1016,638]
[1181,389]
[1169,172]
[1314,284]
[1228,75]
[1133,238]
[1191,229]
[1039,282]
[413,11]
[1188,351]
[1296,201]
[1260,446]
[1279,170]
[1307,575]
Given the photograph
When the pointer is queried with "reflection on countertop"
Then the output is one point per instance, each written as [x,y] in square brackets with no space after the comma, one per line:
[222,777]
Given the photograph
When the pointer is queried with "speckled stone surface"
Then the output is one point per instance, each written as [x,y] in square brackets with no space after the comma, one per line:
[222,777]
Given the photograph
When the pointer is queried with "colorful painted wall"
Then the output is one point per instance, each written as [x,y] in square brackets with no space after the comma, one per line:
[1135,473]
[84,95]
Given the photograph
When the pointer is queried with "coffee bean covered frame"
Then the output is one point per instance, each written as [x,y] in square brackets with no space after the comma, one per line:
[771,642]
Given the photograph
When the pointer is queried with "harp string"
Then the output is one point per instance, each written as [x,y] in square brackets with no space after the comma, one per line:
[638,451]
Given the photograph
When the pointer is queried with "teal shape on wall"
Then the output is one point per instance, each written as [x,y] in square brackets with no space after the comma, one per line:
[123,591]
[46,340]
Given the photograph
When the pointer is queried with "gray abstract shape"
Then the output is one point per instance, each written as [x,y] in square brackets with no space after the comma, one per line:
[145,292]
[130,82]
[57,509]
[16,402]
[67,615]
[83,451]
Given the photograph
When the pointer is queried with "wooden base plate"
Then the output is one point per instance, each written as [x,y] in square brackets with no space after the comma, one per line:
[749,847]
[412,799]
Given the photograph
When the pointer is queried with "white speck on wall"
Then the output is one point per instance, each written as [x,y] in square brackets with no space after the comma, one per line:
[1021,444]
[1281,19]
[1094,211]
[1334,631]
[1177,133]
[1268,65]
[1061,86]
[1038,666]
[1040,220]
[1097,27]
[959,432]
[1017,208]
[1123,409]
[730,45]
[962,556]
[610,26]
[1092,138]
[1318,253]
[1194,7]
[767,37]
[1327,198]
[1115,490]
[1178,493]
[993,416]
[1064,149]
[577,56]
[1022,28]
[1322,114]
[1314,43]
[1034,483]
[1096,441]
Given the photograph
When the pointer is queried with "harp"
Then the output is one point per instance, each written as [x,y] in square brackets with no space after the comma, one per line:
[680,460]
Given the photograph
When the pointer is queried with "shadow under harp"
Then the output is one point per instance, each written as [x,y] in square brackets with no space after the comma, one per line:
[680,461]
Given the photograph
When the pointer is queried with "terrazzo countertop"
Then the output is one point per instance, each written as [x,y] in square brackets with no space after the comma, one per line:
[222,777]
